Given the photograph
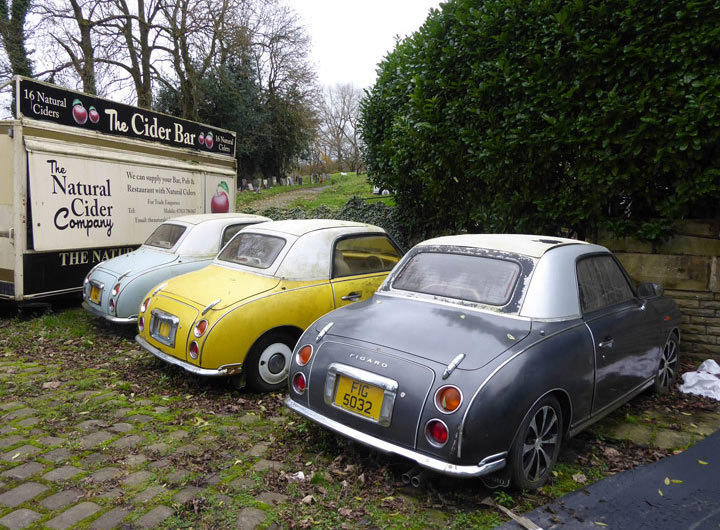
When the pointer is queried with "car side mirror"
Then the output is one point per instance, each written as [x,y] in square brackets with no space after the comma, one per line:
[650,290]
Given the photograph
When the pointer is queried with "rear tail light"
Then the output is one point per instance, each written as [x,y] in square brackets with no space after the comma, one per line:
[145,304]
[303,356]
[141,324]
[115,290]
[448,399]
[194,350]
[200,328]
[299,382]
[436,433]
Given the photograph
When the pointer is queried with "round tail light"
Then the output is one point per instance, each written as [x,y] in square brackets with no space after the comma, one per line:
[141,324]
[303,356]
[194,350]
[299,382]
[436,433]
[145,304]
[448,399]
[115,290]
[200,328]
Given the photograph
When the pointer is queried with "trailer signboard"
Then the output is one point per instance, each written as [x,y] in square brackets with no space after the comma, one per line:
[87,179]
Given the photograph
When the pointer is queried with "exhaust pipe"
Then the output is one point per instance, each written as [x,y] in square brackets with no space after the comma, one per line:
[408,475]
[420,478]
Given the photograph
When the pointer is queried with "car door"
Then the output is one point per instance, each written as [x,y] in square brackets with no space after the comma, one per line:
[360,264]
[620,328]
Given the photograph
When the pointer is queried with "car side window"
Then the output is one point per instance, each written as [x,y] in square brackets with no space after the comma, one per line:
[364,254]
[601,283]
[229,232]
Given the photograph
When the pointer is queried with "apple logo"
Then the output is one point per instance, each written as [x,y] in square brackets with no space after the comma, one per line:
[201,139]
[80,115]
[209,140]
[220,202]
[93,114]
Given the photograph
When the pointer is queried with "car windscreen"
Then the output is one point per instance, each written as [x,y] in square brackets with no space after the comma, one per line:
[166,235]
[253,250]
[465,277]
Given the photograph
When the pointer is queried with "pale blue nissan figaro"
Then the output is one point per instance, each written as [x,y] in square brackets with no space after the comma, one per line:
[114,288]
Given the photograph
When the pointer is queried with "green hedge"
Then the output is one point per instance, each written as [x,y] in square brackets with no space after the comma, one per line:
[549,116]
[356,209]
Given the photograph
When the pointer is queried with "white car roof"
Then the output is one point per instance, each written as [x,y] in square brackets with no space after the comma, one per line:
[202,238]
[524,244]
[195,219]
[299,227]
[307,255]
[550,292]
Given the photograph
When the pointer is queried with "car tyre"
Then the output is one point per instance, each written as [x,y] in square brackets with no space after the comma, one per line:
[268,362]
[668,368]
[537,445]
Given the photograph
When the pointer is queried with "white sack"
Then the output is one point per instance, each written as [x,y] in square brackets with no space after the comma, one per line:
[705,382]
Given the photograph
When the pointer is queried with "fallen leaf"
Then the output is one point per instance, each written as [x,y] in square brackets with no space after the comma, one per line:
[308,499]
[676,481]
[599,523]
[660,492]
[52,384]
[579,478]
[702,462]
[685,413]
[611,452]
[667,481]
[345,512]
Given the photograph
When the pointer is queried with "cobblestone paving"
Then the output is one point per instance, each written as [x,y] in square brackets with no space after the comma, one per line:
[95,434]
[75,458]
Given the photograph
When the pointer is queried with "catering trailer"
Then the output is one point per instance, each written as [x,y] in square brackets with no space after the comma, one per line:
[84,179]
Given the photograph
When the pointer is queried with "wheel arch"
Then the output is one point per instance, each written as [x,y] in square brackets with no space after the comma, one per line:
[563,398]
[295,331]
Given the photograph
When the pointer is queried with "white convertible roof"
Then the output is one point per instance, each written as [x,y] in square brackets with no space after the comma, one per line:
[527,245]
[308,252]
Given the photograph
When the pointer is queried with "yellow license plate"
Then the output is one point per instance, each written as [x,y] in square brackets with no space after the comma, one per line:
[358,397]
[164,329]
[95,294]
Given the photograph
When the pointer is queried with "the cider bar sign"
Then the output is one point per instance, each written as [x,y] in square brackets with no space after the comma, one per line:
[42,101]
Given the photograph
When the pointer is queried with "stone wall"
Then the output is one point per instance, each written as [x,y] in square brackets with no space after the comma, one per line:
[688,266]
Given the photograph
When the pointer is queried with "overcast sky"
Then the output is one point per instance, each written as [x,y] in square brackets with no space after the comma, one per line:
[350,37]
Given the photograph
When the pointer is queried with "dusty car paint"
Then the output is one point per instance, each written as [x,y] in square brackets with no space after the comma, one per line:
[243,305]
[138,271]
[508,362]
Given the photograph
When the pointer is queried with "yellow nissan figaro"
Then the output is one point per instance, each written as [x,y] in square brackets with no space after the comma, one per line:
[242,315]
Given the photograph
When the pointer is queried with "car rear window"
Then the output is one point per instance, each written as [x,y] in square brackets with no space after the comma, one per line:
[166,235]
[473,278]
[253,250]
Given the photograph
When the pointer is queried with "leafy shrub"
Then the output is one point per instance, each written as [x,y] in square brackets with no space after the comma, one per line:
[355,209]
[546,116]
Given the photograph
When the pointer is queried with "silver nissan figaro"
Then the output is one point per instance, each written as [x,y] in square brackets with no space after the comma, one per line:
[480,354]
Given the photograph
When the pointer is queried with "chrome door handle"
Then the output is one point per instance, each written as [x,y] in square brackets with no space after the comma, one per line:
[353,297]
[607,343]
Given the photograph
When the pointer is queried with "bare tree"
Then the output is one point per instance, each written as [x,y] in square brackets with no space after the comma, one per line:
[339,111]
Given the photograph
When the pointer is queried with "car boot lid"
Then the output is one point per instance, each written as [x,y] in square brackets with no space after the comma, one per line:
[218,287]
[430,331]
[136,262]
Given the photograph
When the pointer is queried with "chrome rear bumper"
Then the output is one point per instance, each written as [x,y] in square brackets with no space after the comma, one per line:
[223,371]
[485,467]
[115,320]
